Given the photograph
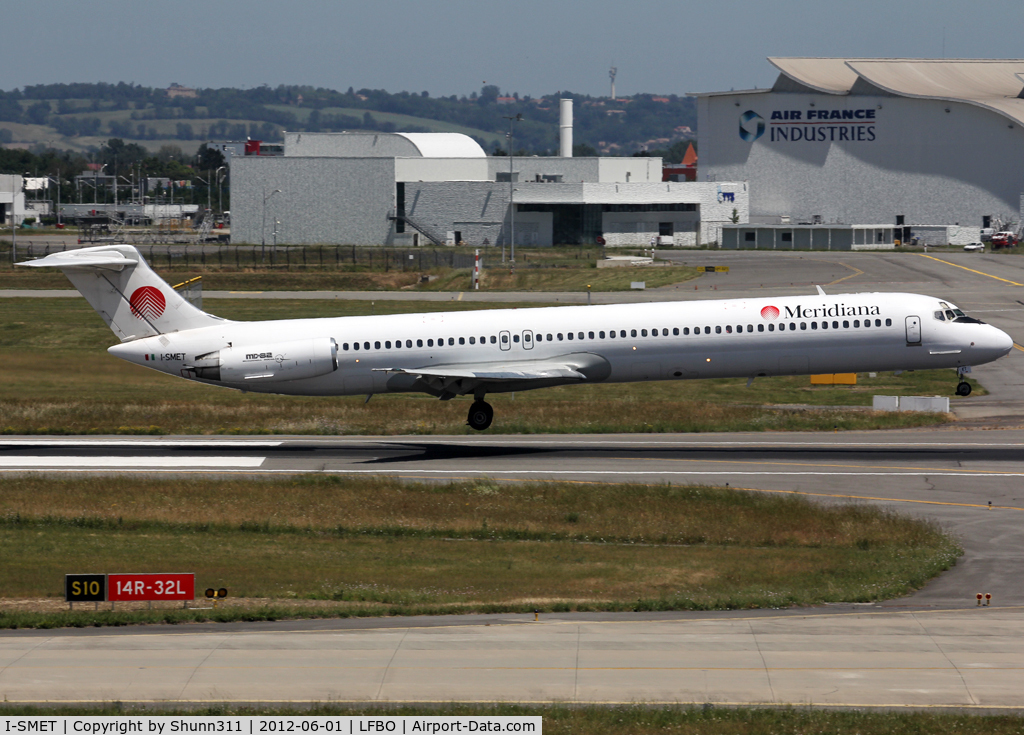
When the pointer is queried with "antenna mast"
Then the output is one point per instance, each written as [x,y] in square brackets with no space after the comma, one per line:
[611,75]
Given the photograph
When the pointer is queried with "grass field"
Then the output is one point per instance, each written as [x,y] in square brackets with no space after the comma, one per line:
[382,546]
[638,719]
[59,379]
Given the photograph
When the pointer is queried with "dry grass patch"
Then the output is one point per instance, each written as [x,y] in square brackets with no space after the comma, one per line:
[382,546]
[635,514]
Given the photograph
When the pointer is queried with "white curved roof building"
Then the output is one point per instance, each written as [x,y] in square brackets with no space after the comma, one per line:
[382,145]
[901,141]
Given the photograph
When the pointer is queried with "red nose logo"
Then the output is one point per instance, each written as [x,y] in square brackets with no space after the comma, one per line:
[147,303]
[770,313]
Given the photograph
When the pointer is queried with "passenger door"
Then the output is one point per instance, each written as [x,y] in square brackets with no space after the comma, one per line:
[913,330]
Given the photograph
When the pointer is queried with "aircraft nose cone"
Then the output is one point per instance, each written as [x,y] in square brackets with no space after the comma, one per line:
[995,342]
[1004,342]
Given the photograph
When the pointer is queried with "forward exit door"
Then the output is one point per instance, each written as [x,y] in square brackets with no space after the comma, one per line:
[913,330]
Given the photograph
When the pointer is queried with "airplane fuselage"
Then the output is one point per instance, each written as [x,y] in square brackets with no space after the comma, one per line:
[747,337]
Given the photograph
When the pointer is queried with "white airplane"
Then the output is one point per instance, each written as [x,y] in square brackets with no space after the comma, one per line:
[449,354]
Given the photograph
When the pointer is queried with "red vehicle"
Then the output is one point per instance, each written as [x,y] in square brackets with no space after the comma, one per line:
[1004,240]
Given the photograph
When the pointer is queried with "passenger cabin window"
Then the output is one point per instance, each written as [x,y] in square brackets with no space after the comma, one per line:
[504,339]
[888,322]
[472,340]
[493,339]
[366,345]
[515,338]
[707,330]
[430,343]
[376,345]
[419,343]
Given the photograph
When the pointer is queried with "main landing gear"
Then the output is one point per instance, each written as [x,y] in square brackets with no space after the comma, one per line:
[480,415]
[963,388]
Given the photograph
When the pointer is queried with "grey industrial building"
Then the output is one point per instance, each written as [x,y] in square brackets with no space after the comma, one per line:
[405,188]
[918,145]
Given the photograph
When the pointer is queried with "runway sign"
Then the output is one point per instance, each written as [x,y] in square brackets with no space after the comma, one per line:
[127,587]
[85,588]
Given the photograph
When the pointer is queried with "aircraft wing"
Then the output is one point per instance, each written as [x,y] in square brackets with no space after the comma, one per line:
[448,381]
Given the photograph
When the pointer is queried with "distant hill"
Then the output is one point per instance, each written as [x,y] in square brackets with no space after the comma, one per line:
[81,117]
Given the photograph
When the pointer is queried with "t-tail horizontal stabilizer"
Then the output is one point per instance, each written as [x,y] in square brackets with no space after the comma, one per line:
[132,299]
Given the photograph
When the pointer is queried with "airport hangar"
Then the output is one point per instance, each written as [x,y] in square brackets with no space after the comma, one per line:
[931,148]
[404,189]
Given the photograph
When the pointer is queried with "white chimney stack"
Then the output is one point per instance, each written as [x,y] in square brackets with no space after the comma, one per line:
[565,128]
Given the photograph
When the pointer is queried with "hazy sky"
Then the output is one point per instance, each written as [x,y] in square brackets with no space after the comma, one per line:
[454,46]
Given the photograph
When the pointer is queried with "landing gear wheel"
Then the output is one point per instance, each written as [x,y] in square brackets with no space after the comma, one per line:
[480,415]
[963,389]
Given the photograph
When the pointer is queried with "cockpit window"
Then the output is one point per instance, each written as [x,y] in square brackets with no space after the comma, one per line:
[939,316]
[950,315]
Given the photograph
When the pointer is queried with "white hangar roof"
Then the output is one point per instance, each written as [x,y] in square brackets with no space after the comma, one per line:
[995,84]
[369,144]
[445,145]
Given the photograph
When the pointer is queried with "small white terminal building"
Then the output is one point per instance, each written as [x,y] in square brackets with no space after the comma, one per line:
[931,147]
[408,189]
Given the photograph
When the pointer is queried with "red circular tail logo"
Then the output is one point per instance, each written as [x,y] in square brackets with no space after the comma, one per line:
[771,313]
[147,302]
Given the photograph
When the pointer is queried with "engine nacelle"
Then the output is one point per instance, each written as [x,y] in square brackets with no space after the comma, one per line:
[269,363]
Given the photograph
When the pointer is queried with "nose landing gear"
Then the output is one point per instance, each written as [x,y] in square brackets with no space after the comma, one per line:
[480,415]
[963,388]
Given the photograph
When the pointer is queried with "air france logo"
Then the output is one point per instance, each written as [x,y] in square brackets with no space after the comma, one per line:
[147,303]
[751,126]
[771,313]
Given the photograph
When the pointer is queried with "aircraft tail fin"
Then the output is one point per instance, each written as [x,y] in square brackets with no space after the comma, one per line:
[132,299]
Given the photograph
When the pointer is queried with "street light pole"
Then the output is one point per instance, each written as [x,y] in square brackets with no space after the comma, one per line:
[220,198]
[512,119]
[263,226]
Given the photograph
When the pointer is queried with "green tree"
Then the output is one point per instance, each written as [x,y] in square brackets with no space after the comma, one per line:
[38,113]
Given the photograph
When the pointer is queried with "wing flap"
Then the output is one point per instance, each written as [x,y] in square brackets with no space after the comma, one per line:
[492,372]
[448,381]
